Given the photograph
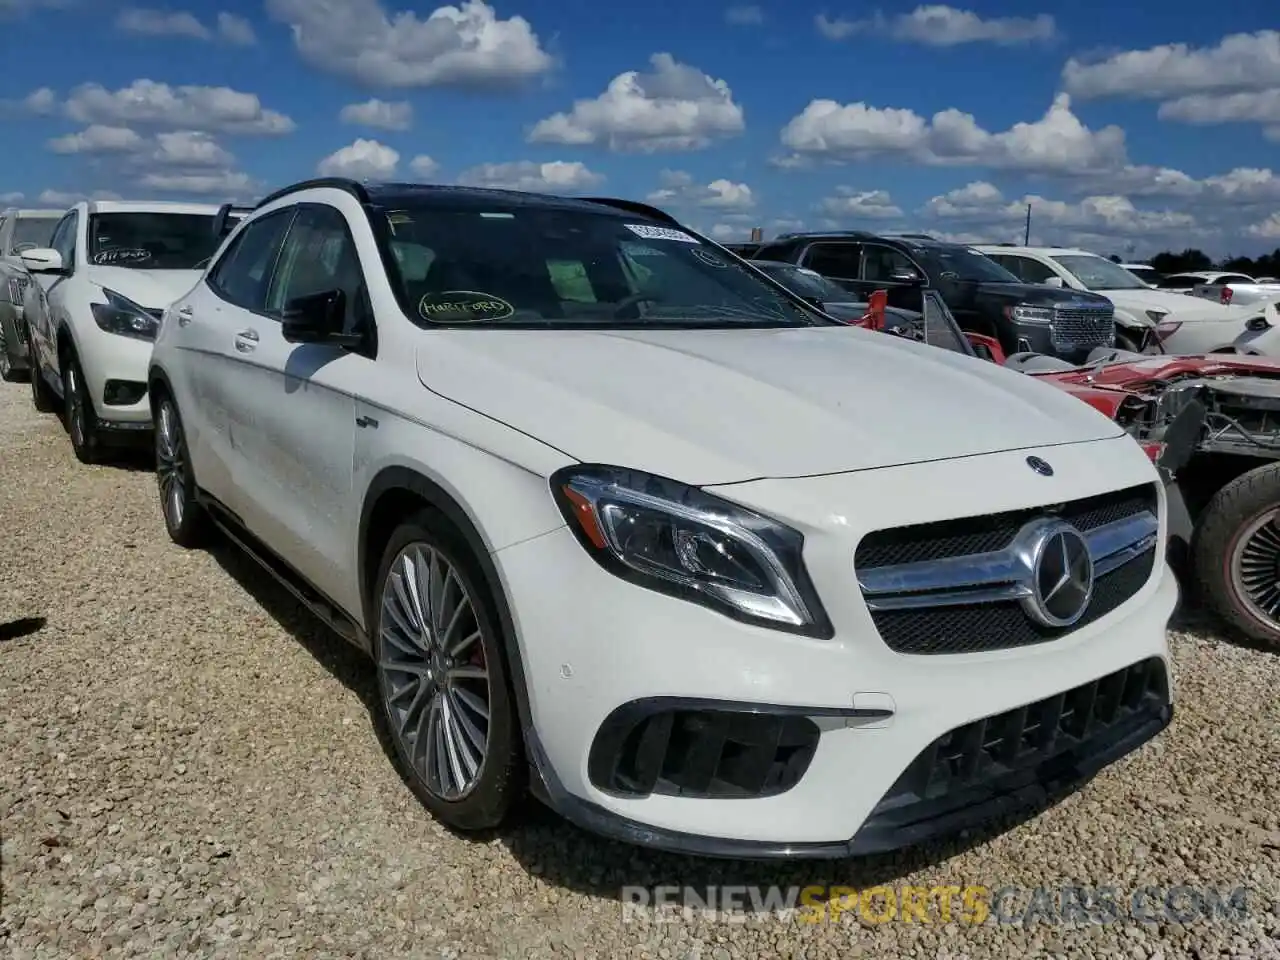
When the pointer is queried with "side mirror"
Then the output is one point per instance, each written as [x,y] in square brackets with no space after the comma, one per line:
[1054,282]
[907,277]
[318,318]
[43,260]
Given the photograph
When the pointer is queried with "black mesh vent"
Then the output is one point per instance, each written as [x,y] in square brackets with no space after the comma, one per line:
[958,538]
[642,749]
[989,754]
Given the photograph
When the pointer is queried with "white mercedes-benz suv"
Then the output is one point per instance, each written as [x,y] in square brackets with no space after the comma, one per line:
[109,271]
[618,516]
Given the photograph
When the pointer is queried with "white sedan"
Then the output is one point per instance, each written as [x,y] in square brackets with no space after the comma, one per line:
[102,284]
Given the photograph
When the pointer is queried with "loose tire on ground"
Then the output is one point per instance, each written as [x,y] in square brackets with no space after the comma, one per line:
[499,780]
[1226,528]
[185,519]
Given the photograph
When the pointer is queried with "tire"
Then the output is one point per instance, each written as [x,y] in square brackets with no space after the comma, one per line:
[420,708]
[42,396]
[1235,548]
[82,421]
[184,518]
[7,373]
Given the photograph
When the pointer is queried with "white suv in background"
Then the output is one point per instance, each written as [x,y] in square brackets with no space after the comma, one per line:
[1182,324]
[110,270]
[610,512]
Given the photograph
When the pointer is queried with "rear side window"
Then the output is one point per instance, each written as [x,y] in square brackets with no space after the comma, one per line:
[836,260]
[243,273]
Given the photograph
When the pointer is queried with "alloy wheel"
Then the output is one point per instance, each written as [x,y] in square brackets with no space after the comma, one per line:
[1255,567]
[171,466]
[436,684]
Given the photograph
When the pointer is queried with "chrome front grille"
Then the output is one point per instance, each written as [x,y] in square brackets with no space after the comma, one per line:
[969,585]
[1077,327]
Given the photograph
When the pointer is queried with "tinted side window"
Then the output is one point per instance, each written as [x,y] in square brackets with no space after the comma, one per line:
[882,263]
[838,260]
[64,239]
[1031,271]
[319,256]
[242,274]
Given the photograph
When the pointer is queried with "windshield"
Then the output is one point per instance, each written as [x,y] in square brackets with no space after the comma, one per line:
[965,264]
[151,241]
[519,265]
[1099,273]
[32,232]
[804,283]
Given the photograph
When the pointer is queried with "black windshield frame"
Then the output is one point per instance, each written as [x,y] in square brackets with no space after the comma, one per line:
[143,239]
[763,303]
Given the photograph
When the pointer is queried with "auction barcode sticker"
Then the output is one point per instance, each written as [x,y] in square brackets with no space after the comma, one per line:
[659,233]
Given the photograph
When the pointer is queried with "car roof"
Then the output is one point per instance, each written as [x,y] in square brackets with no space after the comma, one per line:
[1039,251]
[32,213]
[151,206]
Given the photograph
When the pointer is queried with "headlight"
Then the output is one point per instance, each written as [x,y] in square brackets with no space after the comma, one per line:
[1155,316]
[121,315]
[681,541]
[1025,313]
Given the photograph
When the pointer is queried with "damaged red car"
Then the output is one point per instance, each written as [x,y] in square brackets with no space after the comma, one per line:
[1211,424]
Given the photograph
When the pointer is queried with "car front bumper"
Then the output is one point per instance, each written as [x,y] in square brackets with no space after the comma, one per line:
[602,648]
[115,373]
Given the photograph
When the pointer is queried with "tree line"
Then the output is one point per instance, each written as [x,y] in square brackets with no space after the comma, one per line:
[1191,260]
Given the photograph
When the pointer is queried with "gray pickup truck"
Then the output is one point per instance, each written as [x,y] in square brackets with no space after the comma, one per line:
[19,230]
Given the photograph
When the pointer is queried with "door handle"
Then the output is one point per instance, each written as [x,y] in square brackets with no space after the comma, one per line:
[185,316]
[246,340]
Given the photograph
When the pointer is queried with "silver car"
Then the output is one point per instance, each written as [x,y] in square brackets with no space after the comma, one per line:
[19,230]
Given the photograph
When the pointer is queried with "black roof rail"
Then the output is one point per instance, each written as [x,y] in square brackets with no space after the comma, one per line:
[222,222]
[635,206]
[824,233]
[353,187]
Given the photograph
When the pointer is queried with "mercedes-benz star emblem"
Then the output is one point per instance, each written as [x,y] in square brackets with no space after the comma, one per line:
[1040,466]
[1061,576]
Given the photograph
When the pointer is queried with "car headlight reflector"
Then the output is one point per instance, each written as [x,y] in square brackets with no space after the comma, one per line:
[122,316]
[679,540]
[1025,313]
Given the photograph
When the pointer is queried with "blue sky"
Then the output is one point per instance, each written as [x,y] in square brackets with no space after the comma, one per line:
[1127,130]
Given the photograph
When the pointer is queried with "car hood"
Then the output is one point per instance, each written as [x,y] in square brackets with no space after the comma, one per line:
[723,406]
[1179,306]
[153,289]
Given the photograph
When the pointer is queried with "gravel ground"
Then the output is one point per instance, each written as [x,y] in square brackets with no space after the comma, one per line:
[188,768]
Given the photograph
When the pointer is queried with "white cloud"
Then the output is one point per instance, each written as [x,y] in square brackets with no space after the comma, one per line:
[41,102]
[556,176]
[361,160]
[746,15]
[939,25]
[1207,109]
[174,23]
[679,189]
[1239,62]
[1056,143]
[379,114]
[236,31]
[1055,221]
[60,198]
[673,107]
[461,46]
[424,167]
[12,197]
[190,148]
[16,8]
[189,107]
[1268,229]
[860,204]
[161,23]
[97,139]
[223,183]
